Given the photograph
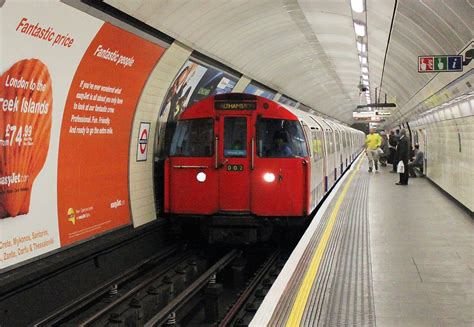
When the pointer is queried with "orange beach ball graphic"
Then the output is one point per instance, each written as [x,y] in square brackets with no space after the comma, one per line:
[26,104]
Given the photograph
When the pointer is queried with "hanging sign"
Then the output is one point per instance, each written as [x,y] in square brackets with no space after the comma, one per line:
[437,64]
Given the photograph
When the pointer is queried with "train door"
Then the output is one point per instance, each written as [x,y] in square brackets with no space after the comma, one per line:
[280,178]
[233,163]
[191,181]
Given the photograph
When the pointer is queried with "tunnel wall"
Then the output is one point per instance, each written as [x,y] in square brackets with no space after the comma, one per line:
[141,172]
[447,139]
[134,142]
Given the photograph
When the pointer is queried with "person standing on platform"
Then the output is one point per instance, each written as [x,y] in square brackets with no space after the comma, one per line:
[392,146]
[385,151]
[372,143]
[403,152]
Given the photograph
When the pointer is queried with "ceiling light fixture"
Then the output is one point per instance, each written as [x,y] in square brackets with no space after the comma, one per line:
[359,29]
[365,70]
[363,60]
[362,47]
[357,5]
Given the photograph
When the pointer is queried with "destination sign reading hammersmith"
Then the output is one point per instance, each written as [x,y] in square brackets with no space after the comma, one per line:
[235,105]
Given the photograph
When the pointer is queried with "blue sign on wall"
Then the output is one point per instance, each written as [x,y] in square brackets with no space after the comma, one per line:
[455,63]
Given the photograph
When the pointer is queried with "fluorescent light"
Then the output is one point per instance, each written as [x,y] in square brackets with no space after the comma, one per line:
[357,5]
[359,29]
[362,47]
[363,60]
[365,76]
[365,70]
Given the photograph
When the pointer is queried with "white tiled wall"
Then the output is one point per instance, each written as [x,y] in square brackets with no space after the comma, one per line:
[141,183]
[447,166]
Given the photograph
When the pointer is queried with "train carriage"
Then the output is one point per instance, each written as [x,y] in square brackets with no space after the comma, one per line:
[240,163]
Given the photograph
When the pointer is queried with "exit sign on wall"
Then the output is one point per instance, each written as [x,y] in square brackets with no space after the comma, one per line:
[436,64]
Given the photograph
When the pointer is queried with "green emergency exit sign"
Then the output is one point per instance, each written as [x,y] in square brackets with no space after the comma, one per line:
[436,64]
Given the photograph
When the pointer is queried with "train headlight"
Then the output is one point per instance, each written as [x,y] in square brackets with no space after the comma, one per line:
[201,177]
[269,177]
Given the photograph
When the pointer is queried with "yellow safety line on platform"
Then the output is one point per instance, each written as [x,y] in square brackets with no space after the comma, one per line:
[303,293]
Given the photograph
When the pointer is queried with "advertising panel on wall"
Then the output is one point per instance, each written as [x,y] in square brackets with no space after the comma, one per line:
[194,82]
[285,100]
[66,110]
[252,88]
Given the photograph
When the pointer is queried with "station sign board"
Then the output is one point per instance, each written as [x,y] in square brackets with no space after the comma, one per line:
[439,63]
[367,116]
[383,113]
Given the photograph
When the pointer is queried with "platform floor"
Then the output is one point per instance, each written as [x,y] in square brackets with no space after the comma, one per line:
[422,252]
[378,254]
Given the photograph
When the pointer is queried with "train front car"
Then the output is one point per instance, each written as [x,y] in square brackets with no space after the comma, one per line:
[239,164]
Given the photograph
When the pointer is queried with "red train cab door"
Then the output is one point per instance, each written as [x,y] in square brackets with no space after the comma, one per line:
[233,162]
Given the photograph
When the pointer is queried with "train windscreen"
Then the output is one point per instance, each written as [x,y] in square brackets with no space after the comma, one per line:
[235,137]
[193,138]
[280,138]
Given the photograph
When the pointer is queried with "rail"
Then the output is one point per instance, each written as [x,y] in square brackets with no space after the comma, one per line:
[89,297]
[178,302]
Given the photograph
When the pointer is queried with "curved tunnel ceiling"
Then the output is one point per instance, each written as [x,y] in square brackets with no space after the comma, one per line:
[307,48]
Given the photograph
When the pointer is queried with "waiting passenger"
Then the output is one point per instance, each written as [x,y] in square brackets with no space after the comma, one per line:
[403,151]
[373,142]
[280,147]
[385,150]
[417,162]
[392,146]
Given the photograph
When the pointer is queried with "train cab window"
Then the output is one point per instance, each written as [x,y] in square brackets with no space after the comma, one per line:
[279,138]
[193,138]
[235,137]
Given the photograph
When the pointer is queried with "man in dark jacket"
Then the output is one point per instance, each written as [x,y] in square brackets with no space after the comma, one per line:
[392,145]
[403,152]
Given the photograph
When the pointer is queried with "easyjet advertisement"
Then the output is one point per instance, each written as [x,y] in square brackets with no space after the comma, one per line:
[70,84]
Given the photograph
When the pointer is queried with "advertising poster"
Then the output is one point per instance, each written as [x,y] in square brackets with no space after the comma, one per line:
[253,89]
[285,100]
[193,83]
[93,184]
[46,54]
[178,95]
[212,82]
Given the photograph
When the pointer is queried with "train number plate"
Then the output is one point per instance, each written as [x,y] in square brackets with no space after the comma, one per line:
[235,167]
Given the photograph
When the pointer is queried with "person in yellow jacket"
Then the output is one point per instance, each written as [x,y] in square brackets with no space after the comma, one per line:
[373,142]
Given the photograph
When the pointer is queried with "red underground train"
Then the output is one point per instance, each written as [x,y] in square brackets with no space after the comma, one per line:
[241,164]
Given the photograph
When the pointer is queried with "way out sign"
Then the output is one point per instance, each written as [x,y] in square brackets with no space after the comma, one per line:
[142,145]
[437,64]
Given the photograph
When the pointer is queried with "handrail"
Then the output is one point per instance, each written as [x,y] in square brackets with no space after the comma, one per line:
[252,161]
[216,163]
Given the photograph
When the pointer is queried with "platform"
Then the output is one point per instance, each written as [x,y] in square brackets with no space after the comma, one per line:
[378,254]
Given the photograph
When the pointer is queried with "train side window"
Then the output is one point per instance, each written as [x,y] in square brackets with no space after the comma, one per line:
[308,135]
[235,137]
[193,138]
[317,145]
[338,140]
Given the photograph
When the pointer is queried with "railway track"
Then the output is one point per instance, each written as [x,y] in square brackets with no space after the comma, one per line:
[189,287]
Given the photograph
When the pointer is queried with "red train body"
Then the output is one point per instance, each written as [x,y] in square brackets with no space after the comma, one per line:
[240,163]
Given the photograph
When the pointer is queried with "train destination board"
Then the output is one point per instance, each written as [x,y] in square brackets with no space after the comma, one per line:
[229,105]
